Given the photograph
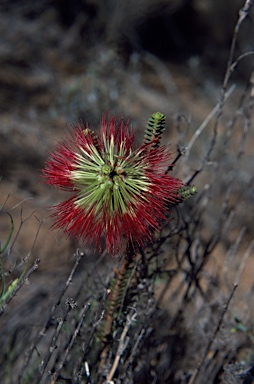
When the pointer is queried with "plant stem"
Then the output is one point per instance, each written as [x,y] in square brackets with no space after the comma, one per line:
[109,313]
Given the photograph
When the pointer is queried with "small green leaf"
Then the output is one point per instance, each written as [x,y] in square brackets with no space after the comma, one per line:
[187,191]
[10,235]
[10,289]
[154,129]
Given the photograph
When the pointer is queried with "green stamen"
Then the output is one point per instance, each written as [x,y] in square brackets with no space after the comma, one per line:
[109,182]
[106,169]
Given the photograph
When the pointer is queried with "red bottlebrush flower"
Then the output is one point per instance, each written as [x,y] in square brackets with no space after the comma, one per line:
[118,190]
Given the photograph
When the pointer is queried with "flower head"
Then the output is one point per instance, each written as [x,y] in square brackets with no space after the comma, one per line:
[118,190]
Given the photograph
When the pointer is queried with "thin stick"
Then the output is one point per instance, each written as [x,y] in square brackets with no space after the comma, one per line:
[70,345]
[19,284]
[243,12]
[121,346]
[242,15]
[205,122]
[79,256]
[212,337]
[53,344]
[81,364]
[244,259]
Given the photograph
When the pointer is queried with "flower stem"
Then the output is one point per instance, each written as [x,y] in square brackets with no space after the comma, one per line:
[113,298]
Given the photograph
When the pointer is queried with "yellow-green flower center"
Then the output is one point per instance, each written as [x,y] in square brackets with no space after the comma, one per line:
[108,182]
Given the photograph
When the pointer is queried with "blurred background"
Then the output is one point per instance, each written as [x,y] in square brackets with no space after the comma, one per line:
[65,61]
